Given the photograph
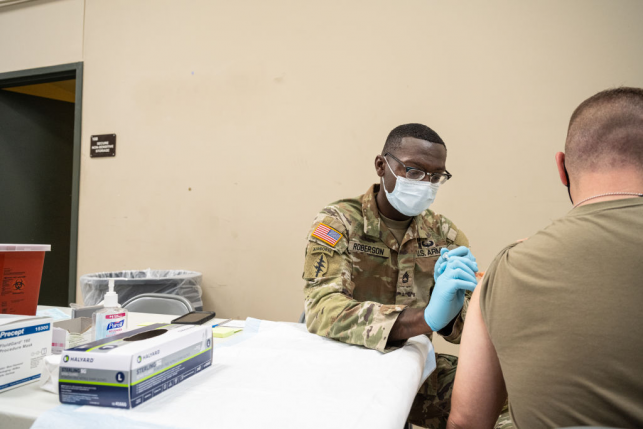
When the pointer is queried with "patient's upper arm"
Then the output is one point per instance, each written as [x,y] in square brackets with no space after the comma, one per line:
[479,391]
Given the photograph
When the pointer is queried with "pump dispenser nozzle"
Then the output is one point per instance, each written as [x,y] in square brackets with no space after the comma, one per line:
[111,297]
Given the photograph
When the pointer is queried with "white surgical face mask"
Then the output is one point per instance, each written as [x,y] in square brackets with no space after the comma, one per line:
[410,197]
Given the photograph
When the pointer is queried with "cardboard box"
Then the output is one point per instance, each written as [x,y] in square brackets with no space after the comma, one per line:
[24,343]
[70,333]
[131,368]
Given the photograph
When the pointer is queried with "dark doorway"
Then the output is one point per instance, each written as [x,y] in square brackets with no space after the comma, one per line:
[39,170]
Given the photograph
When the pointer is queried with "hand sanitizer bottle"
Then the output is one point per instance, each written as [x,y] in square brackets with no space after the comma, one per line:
[111,320]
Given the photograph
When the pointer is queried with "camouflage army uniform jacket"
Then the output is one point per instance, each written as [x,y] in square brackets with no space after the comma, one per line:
[359,279]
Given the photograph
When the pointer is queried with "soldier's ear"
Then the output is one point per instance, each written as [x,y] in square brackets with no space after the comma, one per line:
[380,165]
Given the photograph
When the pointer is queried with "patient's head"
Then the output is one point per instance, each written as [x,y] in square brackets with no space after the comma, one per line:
[606,133]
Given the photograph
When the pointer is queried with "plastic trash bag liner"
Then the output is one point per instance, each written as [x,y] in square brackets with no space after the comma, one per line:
[174,282]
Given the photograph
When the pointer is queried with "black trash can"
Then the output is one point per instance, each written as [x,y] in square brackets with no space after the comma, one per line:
[174,282]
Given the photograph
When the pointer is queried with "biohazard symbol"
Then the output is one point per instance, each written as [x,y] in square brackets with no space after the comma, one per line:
[321,266]
[19,284]
[405,277]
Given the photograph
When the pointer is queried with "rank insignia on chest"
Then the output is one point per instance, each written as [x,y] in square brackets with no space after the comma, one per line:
[327,234]
[405,277]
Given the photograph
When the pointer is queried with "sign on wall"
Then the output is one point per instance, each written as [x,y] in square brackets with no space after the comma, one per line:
[102,145]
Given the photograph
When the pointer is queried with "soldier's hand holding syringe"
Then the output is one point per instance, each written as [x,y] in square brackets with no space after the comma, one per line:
[454,273]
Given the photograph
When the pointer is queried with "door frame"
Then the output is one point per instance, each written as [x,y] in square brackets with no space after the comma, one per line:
[54,74]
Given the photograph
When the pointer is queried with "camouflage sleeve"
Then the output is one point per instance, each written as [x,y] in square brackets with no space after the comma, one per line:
[330,308]
[456,238]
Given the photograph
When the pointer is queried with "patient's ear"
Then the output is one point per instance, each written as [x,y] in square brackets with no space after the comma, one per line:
[560,164]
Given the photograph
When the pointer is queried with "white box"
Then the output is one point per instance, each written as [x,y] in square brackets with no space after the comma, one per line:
[128,369]
[24,343]
[71,333]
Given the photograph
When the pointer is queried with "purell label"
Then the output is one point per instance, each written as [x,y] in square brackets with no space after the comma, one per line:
[110,324]
[114,325]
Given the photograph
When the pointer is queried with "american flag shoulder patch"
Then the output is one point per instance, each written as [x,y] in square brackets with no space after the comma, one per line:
[327,234]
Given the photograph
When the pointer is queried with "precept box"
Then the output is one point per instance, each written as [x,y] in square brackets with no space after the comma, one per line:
[131,368]
[24,343]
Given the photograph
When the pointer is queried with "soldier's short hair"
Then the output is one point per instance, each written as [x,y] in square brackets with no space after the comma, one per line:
[417,131]
[606,131]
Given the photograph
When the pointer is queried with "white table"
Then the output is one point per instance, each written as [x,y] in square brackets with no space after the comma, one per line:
[20,407]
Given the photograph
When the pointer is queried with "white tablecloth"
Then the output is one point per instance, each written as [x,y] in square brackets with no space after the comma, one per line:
[277,375]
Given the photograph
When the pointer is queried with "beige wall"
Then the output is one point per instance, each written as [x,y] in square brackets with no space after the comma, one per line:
[267,111]
[41,33]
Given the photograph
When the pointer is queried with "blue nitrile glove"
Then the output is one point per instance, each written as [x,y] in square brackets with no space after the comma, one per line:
[448,294]
[440,264]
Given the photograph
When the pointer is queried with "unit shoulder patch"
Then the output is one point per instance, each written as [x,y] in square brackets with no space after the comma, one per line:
[321,262]
[319,266]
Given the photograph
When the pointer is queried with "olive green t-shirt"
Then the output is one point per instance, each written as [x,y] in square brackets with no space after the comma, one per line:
[564,310]
[397,227]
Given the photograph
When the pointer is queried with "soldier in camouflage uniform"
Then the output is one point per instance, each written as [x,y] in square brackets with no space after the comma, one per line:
[368,284]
